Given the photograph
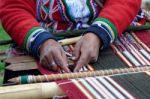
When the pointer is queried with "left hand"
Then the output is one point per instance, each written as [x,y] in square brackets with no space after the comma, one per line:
[86,50]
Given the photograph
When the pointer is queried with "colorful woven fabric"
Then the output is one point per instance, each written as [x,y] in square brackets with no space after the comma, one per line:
[126,86]
[144,37]
[129,86]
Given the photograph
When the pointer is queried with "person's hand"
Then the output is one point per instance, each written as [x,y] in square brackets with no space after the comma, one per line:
[86,50]
[52,55]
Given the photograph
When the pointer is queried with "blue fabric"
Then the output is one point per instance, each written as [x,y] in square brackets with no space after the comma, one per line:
[40,39]
[101,33]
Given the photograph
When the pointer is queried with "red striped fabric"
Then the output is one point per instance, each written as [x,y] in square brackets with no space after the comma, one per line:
[71,90]
[144,36]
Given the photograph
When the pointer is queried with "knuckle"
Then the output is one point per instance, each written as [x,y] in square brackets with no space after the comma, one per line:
[93,56]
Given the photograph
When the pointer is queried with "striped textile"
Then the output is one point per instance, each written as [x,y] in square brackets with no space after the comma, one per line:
[133,50]
[129,50]
[144,37]
[130,86]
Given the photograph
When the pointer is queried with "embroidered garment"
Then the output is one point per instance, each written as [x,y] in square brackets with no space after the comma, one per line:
[72,14]
[31,22]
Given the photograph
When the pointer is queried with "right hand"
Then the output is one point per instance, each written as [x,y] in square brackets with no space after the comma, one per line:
[52,55]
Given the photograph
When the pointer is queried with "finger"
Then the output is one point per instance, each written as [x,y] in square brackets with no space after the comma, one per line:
[93,57]
[64,57]
[84,59]
[77,50]
[43,61]
[52,65]
[60,61]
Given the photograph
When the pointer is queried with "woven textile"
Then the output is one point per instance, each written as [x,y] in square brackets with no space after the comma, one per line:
[128,86]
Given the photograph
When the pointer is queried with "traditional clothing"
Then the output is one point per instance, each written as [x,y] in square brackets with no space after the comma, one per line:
[31,22]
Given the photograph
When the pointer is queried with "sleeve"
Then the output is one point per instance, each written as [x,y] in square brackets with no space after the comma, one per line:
[19,20]
[114,18]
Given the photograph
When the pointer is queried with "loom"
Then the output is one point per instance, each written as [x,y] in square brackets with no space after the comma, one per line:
[125,78]
[121,72]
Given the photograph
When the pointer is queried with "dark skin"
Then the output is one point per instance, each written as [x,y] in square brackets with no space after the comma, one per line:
[86,50]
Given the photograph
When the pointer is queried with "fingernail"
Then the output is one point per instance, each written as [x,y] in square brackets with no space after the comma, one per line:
[74,58]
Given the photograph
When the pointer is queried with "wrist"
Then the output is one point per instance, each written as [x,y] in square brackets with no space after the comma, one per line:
[45,44]
[38,41]
[94,37]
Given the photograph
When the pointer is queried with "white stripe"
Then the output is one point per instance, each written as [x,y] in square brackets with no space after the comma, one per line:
[28,40]
[30,37]
[90,89]
[144,61]
[120,88]
[103,88]
[147,55]
[97,88]
[109,28]
[131,58]
[111,88]
[99,24]
[51,11]
[82,89]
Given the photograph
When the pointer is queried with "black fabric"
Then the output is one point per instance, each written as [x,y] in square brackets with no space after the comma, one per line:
[136,84]
[108,60]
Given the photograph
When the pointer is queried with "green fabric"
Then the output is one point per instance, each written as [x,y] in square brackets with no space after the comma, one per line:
[46,10]
[24,79]
[110,24]
[28,34]
[2,66]
[91,10]
[67,12]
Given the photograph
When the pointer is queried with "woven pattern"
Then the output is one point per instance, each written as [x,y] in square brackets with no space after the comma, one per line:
[122,86]
[129,50]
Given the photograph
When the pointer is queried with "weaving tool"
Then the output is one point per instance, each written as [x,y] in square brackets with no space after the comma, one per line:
[55,77]
[31,91]
[84,87]
[111,87]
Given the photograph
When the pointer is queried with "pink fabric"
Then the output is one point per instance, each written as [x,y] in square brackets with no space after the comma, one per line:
[44,70]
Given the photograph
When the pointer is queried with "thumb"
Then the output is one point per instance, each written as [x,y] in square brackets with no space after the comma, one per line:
[77,51]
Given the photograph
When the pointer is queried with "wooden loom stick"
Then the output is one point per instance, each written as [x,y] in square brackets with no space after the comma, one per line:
[5,42]
[118,53]
[90,68]
[53,77]
[69,40]
[20,59]
[31,91]
[22,66]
